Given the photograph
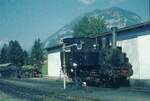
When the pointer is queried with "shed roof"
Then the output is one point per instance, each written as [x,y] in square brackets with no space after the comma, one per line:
[7,66]
[140,25]
[120,30]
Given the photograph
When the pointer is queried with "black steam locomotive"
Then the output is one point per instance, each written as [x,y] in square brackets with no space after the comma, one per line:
[95,61]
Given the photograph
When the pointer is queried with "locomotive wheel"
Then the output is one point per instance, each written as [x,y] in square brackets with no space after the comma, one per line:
[113,83]
[92,83]
[106,83]
[124,82]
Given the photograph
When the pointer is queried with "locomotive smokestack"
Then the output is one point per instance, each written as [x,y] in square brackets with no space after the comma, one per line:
[114,29]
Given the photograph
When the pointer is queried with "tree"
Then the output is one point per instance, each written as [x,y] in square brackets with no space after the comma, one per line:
[89,27]
[25,58]
[4,54]
[37,54]
[15,53]
[0,58]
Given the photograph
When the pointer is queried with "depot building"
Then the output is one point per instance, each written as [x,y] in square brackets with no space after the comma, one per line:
[135,42]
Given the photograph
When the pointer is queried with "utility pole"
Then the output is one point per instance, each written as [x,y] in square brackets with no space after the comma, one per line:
[64,49]
[64,66]
[64,63]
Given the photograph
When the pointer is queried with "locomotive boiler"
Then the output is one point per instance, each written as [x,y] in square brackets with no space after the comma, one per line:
[95,61]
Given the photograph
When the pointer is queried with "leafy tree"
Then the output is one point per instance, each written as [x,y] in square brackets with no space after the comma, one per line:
[15,53]
[4,54]
[37,54]
[89,27]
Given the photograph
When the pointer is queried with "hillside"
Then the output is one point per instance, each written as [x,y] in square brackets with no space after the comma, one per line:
[113,16]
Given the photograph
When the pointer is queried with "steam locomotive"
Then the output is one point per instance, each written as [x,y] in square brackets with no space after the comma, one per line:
[95,61]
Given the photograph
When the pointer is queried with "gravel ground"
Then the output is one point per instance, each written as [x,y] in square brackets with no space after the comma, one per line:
[44,89]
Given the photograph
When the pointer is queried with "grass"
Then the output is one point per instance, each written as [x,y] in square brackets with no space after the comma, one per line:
[45,69]
[27,67]
[6,97]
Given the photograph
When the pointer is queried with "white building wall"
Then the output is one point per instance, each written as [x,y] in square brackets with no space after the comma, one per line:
[130,47]
[144,54]
[54,64]
[138,52]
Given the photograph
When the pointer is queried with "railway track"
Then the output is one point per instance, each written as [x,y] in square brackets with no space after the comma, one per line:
[44,90]
[36,94]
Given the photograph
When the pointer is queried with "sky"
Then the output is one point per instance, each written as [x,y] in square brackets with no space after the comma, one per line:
[26,20]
